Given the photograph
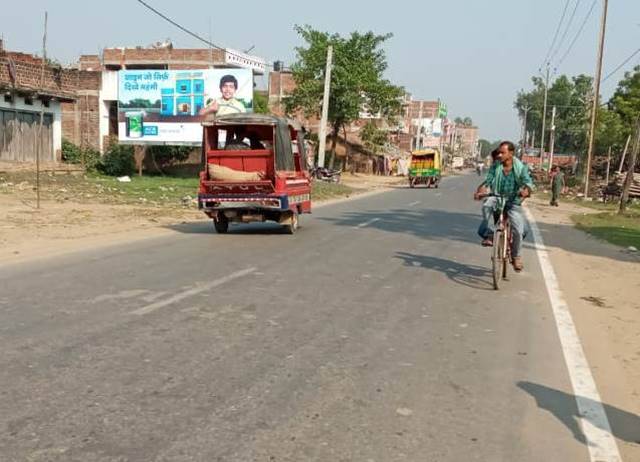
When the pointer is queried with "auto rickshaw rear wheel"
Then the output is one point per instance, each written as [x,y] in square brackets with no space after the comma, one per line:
[221,224]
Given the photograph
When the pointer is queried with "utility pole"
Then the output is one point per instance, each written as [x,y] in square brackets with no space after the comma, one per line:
[524,130]
[596,96]
[624,154]
[552,137]
[624,197]
[325,108]
[606,182]
[39,143]
[544,115]
[533,138]
[419,129]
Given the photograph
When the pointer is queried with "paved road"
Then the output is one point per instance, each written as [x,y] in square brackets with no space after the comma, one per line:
[371,335]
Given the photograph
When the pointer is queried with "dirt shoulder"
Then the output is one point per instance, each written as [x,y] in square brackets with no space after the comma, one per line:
[601,284]
[79,213]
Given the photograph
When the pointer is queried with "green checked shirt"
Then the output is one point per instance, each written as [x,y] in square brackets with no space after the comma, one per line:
[509,185]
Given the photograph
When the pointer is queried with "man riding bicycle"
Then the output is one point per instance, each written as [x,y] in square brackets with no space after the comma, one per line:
[508,177]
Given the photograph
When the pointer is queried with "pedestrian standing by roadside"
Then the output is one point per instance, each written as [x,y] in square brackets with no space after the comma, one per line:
[557,184]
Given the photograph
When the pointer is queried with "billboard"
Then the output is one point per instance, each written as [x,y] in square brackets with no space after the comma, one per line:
[157,106]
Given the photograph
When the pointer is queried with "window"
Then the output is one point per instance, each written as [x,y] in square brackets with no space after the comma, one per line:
[8,98]
[28,100]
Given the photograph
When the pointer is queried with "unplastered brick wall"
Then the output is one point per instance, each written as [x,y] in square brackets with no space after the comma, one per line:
[190,58]
[81,120]
[29,75]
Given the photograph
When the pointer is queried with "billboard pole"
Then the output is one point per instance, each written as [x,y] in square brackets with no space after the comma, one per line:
[325,108]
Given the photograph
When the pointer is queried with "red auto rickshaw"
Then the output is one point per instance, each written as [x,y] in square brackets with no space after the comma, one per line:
[253,171]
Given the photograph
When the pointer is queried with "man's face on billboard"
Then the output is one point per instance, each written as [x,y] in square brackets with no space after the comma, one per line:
[228,90]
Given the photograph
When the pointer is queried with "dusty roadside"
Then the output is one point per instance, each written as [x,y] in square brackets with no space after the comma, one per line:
[84,220]
[601,284]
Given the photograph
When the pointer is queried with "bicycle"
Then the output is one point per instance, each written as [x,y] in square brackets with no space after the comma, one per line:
[502,239]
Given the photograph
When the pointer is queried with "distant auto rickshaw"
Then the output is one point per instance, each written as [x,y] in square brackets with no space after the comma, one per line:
[425,168]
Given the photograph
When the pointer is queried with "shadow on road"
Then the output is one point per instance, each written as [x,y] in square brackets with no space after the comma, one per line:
[624,425]
[241,229]
[432,224]
[475,277]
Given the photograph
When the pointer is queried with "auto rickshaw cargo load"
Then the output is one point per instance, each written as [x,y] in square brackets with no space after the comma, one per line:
[425,168]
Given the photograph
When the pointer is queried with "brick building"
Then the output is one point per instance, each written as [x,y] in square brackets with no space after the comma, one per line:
[26,87]
[466,139]
[97,101]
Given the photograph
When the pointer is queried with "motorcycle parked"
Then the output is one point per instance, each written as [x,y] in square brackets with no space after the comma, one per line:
[325,174]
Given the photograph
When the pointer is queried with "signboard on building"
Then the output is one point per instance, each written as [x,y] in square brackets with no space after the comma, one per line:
[163,107]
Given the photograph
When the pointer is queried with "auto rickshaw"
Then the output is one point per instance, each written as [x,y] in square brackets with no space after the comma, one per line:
[253,171]
[425,168]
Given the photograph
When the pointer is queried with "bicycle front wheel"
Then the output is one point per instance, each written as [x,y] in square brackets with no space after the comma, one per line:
[497,258]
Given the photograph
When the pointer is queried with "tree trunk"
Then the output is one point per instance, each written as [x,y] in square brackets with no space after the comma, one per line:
[139,153]
[624,197]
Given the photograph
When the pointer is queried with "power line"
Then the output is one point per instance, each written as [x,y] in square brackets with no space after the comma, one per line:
[621,65]
[555,36]
[575,39]
[566,30]
[193,34]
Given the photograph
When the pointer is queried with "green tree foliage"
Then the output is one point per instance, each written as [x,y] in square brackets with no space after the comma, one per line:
[374,138]
[88,157]
[357,78]
[488,146]
[260,103]
[626,100]
[118,160]
[464,122]
[166,156]
[572,97]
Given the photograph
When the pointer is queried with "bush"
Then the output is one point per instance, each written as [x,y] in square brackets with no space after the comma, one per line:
[166,156]
[118,160]
[72,154]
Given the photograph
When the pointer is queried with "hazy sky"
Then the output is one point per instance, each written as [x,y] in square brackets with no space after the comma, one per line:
[474,55]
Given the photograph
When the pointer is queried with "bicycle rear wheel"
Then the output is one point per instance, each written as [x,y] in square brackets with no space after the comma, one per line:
[506,252]
[497,259]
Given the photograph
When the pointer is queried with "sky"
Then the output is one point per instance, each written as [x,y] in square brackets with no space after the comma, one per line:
[473,55]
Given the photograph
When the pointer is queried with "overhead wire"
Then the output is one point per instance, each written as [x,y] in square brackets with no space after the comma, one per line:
[575,38]
[555,36]
[621,65]
[566,30]
[191,33]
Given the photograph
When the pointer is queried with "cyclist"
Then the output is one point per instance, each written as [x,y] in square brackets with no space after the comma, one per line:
[508,177]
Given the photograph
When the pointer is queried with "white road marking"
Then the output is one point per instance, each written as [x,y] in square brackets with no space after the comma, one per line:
[191,292]
[413,204]
[367,223]
[593,418]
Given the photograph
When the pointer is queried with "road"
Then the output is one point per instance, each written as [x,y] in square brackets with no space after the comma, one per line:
[373,334]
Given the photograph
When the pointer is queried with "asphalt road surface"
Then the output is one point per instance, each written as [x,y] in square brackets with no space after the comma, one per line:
[373,334]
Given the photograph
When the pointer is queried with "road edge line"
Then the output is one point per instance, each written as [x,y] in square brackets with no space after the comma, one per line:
[593,418]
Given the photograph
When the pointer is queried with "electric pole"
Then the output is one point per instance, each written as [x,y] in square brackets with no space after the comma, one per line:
[624,197]
[39,143]
[544,115]
[325,108]
[524,130]
[552,137]
[419,129]
[596,96]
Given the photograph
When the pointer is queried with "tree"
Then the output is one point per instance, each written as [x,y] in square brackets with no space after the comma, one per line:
[487,146]
[626,101]
[374,138]
[260,103]
[464,122]
[572,97]
[357,79]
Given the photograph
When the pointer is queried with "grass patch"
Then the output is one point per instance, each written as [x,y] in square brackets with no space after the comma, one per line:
[146,190]
[321,190]
[622,230]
